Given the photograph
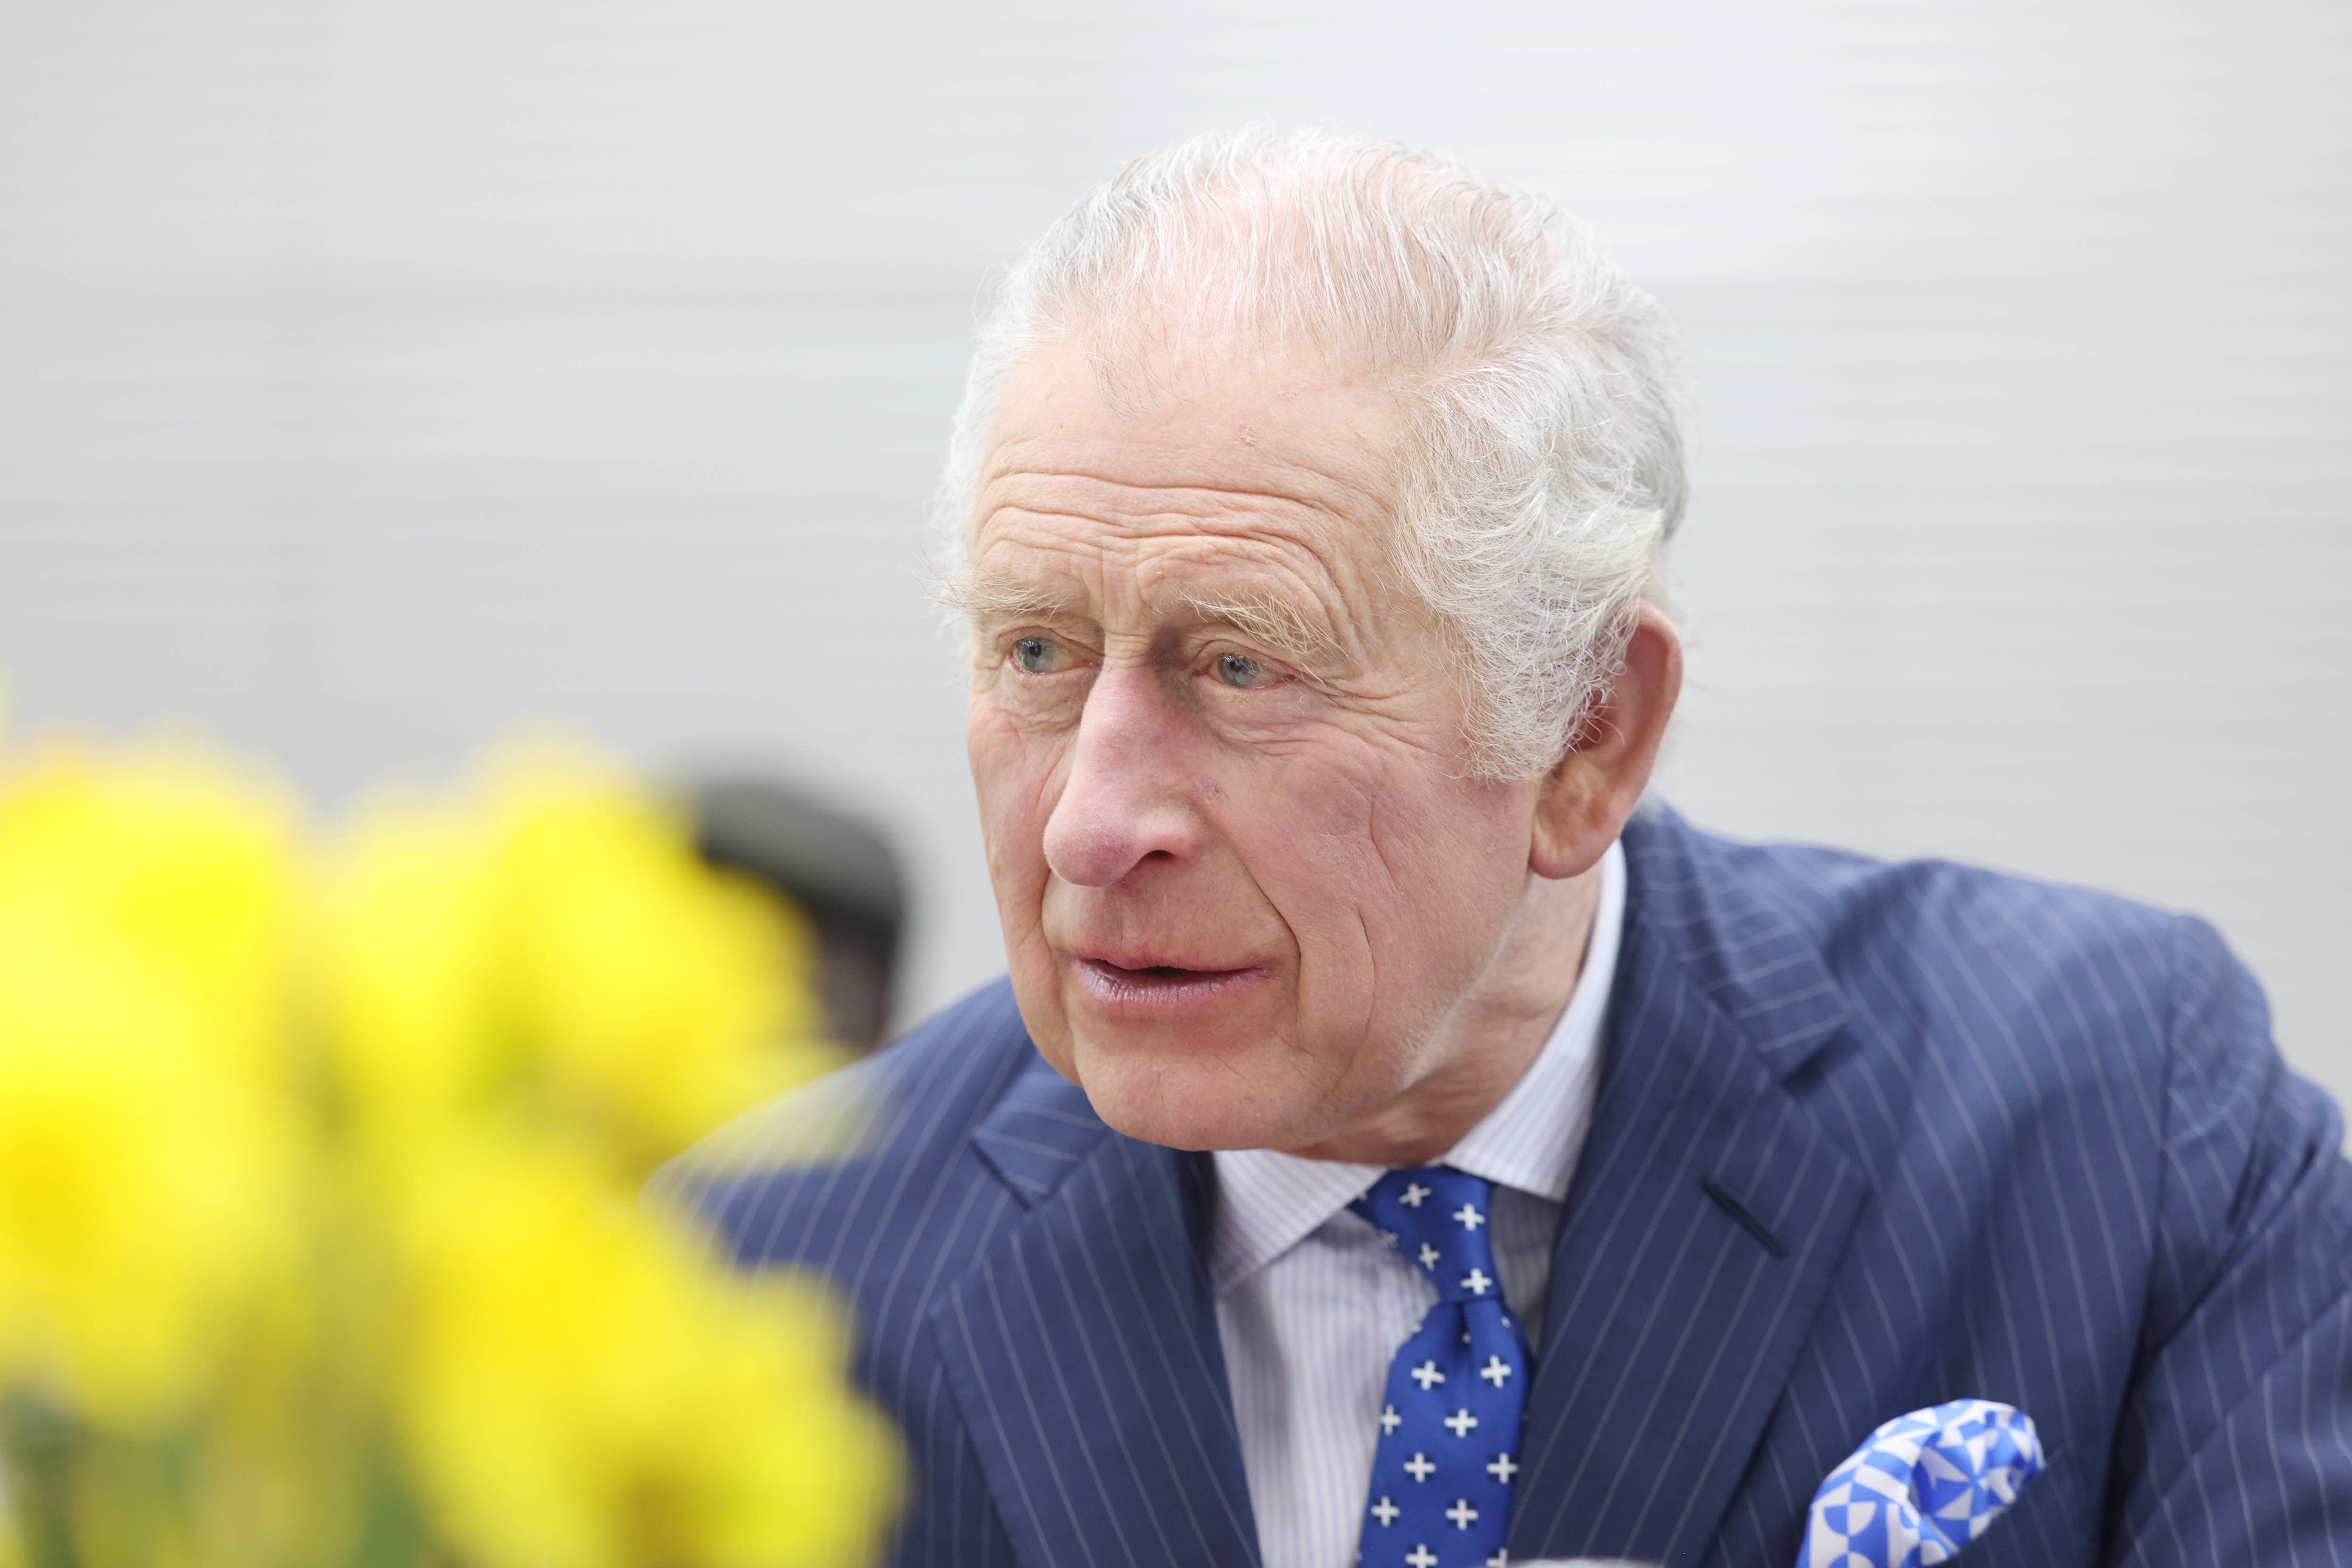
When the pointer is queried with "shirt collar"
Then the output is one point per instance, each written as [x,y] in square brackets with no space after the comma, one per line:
[1268,1202]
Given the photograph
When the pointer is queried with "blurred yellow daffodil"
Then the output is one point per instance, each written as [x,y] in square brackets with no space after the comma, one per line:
[663,997]
[146,1143]
[555,950]
[583,1391]
[319,1234]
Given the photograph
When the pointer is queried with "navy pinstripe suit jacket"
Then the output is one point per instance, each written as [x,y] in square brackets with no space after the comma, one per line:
[1965,1135]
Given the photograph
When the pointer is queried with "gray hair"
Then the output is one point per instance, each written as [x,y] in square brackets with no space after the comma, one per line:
[1543,472]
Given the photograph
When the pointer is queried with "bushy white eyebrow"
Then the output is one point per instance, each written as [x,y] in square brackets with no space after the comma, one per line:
[988,598]
[1275,625]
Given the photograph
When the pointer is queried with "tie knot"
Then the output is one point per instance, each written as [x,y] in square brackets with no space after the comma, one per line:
[1436,1218]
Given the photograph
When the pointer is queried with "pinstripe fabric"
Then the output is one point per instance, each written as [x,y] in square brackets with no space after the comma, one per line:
[1312,1304]
[1866,1138]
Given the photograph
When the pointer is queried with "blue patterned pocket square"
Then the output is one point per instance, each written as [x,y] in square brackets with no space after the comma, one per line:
[1923,1486]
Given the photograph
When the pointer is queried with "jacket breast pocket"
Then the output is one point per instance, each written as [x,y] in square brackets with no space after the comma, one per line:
[2054,1523]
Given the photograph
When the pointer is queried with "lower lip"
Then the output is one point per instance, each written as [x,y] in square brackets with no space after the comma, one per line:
[1159,995]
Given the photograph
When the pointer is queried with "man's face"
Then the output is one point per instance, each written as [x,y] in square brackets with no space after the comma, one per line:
[1243,874]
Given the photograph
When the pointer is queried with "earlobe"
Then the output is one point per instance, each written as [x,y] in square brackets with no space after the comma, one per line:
[1585,799]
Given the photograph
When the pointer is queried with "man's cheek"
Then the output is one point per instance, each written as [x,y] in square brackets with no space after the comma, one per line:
[1014,781]
[990,744]
[1321,889]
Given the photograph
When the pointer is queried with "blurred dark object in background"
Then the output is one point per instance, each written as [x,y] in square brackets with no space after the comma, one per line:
[841,870]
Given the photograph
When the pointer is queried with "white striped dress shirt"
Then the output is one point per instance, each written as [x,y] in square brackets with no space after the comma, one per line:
[1312,1304]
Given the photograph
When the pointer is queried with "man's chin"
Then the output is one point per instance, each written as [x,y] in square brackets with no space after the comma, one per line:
[1197,1104]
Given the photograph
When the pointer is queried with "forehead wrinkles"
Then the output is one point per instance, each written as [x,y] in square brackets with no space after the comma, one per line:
[1162,551]
[1145,507]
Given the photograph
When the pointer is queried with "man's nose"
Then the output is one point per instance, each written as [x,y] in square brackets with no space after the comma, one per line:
[1122,801]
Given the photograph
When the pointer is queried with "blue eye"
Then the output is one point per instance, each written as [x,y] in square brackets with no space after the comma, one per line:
[1035,655]
[1238,669]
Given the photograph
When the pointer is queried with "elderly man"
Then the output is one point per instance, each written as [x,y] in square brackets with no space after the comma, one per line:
[1397,1143]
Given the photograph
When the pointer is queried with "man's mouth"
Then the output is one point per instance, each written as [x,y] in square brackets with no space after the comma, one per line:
[1157,990]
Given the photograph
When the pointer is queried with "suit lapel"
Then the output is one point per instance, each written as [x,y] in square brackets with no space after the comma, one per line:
[1707,1217]
[1084,1349]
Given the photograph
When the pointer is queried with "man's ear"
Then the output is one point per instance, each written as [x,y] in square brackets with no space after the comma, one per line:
[1590,791]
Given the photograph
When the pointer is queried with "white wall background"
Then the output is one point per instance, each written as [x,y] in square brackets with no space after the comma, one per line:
[376,374]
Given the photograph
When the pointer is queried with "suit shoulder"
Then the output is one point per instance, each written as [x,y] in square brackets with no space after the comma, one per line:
[1937,955]
[1938,910]
[784,1183]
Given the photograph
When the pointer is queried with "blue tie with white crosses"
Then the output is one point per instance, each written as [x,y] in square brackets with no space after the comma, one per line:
[1457,1391]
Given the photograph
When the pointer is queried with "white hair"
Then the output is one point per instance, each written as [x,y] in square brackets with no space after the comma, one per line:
[1543,470]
